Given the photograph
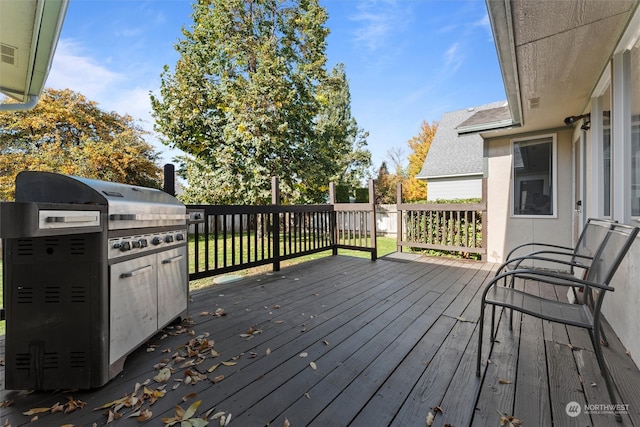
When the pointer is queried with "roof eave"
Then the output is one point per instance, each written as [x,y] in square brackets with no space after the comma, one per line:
[46,29]
[486,127]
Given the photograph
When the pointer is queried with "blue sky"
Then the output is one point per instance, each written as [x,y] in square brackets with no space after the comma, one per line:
[406,60]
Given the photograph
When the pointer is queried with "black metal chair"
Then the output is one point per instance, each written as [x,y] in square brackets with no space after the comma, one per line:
[579,256]
[564,259]
[605,261]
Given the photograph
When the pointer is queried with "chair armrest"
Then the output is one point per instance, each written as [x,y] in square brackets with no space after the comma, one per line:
[549,277]
[515,262]
[546,245]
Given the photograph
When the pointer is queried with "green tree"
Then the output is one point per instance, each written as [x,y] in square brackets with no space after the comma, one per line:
[69,134]
[386,186]
[416,189]
[250,98]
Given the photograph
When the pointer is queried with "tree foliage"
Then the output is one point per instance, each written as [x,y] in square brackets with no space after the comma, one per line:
[69,134]
[413,189]
[386,186]
[250,98]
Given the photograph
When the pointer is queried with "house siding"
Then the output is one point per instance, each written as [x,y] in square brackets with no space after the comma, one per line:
[504,231]
[467,187]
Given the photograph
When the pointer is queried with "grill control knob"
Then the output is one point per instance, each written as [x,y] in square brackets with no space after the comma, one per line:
[125,246]
[155,241]
[179,237]
[136,244]
[143,243]
[168,238]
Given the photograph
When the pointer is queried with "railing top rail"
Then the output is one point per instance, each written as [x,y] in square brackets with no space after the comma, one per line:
[254,209]
[443,206]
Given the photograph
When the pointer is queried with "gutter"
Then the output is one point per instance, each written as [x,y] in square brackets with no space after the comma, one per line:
[31,102]
[499,12]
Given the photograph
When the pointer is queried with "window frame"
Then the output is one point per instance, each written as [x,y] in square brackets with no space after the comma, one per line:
[554,176]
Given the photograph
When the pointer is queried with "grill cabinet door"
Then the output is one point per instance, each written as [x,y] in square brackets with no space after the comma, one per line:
[133,309]
[172,284]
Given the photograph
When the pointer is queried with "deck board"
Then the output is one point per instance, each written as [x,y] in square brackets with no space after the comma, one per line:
[391,340]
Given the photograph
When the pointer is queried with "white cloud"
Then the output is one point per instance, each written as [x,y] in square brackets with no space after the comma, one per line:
[377,19]
[453,59]
[73,70]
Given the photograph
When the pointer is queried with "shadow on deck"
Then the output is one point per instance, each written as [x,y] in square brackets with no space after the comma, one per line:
[345,341]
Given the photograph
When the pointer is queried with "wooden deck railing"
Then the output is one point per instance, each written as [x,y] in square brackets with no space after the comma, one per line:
[231,238]
[459,228]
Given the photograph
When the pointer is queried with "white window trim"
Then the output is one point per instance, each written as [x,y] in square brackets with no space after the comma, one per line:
[554,177]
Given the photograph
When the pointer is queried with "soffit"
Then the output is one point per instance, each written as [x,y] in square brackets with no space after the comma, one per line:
[561,48]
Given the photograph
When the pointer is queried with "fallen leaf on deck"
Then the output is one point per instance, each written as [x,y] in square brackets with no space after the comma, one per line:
[313,365]
[437,409]
[6,403]
[430,419]
[163,376]
[504,381]
[144,415]
[213,368]
[229,363]
[268,352]
[286,423]
[217,379]
[220,312]
[325,342]
[189,396]
[34,411]
[276,307]
[304,354]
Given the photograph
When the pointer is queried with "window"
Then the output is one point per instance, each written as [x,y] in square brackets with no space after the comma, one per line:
[533,169]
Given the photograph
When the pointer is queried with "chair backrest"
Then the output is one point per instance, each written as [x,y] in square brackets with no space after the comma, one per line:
[616,244]
[592,236]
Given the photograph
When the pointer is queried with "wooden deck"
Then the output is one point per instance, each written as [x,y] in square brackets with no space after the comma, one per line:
[346,341]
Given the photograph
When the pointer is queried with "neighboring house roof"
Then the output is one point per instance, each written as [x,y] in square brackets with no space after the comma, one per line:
[29,32]
[452,154]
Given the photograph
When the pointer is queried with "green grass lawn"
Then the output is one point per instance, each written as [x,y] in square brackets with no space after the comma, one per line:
[386,245]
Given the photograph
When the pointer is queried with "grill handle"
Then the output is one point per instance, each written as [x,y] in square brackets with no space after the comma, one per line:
[146,217]
[137,271]
[172,260]
[70,219]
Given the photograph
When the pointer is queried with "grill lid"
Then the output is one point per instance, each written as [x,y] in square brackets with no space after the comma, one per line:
[128,206]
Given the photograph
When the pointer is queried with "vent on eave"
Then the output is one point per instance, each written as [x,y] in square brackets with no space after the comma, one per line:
[8,54]
[534,102]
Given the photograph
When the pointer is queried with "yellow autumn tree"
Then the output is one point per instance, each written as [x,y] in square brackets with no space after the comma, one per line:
[67,133]
[415,190]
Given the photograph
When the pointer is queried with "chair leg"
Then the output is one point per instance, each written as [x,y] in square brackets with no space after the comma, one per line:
[603,338]
[604,371]
[481,326]
[493,323]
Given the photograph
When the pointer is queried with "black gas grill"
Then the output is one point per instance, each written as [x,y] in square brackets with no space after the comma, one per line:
[92,269]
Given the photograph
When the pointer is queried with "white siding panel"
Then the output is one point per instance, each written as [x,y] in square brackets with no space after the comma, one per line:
[454,188]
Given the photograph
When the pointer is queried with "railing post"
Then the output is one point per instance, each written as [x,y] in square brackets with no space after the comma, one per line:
[334,219]
[399,216]
[275,200]
[372,216]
